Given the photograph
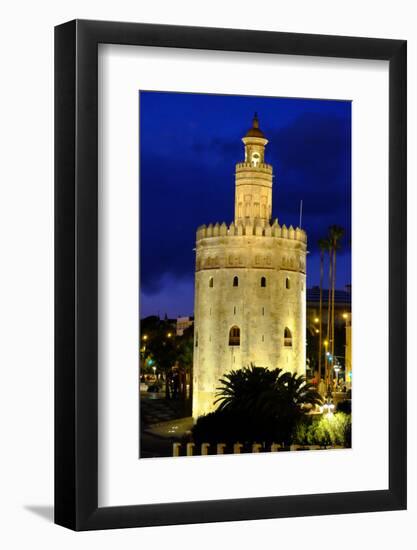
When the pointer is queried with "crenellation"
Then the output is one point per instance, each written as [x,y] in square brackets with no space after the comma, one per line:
[259,230]
[262,166]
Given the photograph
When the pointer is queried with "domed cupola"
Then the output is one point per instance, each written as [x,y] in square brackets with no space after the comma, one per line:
[255,131]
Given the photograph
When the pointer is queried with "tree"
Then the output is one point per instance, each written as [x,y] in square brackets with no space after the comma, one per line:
[331,244]
[257,404]
[323,245]
[185,357]
[159,342]
[336,232]
[328,248]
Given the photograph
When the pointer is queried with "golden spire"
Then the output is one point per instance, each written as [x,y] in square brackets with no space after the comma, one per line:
[255,130]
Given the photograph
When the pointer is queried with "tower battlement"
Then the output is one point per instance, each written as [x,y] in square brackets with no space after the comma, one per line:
[240,230]
[263,167]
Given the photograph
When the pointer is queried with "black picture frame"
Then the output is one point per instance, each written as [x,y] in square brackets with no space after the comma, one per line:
[76,272]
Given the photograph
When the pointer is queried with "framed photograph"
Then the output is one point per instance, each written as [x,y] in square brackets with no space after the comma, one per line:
[230,337]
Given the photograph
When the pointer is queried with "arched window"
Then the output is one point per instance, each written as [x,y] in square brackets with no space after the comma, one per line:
[263,281]
[287,283]
[234,336]
[211,282]
[287,338]
[235,281]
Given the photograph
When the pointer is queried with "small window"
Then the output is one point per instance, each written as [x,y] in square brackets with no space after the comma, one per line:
[234,310]
[235,281]
[196,339]
[287,283]
[211,282]
[287,338]
[263,311]
[263,282]
[234,336]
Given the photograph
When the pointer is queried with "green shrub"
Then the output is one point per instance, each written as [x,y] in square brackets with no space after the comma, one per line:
[325,431]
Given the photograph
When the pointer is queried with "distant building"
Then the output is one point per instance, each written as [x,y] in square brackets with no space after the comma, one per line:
[348,354]
[183,323]
[250,284]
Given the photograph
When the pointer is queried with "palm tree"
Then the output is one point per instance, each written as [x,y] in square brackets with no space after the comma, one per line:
[335,234]
[327,244]
[258,387]
[323,245]
[299,391]
[245,388]
[264,404]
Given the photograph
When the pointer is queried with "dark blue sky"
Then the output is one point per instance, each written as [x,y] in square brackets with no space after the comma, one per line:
[189,144]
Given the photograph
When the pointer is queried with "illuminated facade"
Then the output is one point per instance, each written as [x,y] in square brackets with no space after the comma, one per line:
[250,284]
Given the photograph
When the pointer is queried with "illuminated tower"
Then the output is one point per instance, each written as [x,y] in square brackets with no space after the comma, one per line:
[253,195]
[250,295]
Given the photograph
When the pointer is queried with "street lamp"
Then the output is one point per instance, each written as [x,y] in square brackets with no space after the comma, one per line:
[145,337]
[169,335]
[337,369]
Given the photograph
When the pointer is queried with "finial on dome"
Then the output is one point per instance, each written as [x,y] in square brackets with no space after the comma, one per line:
[255,131]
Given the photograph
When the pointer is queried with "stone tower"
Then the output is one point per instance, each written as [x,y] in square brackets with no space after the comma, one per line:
[250,284]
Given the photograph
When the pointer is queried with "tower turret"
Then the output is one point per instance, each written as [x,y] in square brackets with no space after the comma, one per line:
[253,192]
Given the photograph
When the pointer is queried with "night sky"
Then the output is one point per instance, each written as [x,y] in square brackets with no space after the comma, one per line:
[189,145]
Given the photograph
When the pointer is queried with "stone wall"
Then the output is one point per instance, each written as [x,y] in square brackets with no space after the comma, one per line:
[269,263]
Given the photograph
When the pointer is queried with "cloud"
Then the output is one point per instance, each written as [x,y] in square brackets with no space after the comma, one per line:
[313,157]
[192,183]
[176,198]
